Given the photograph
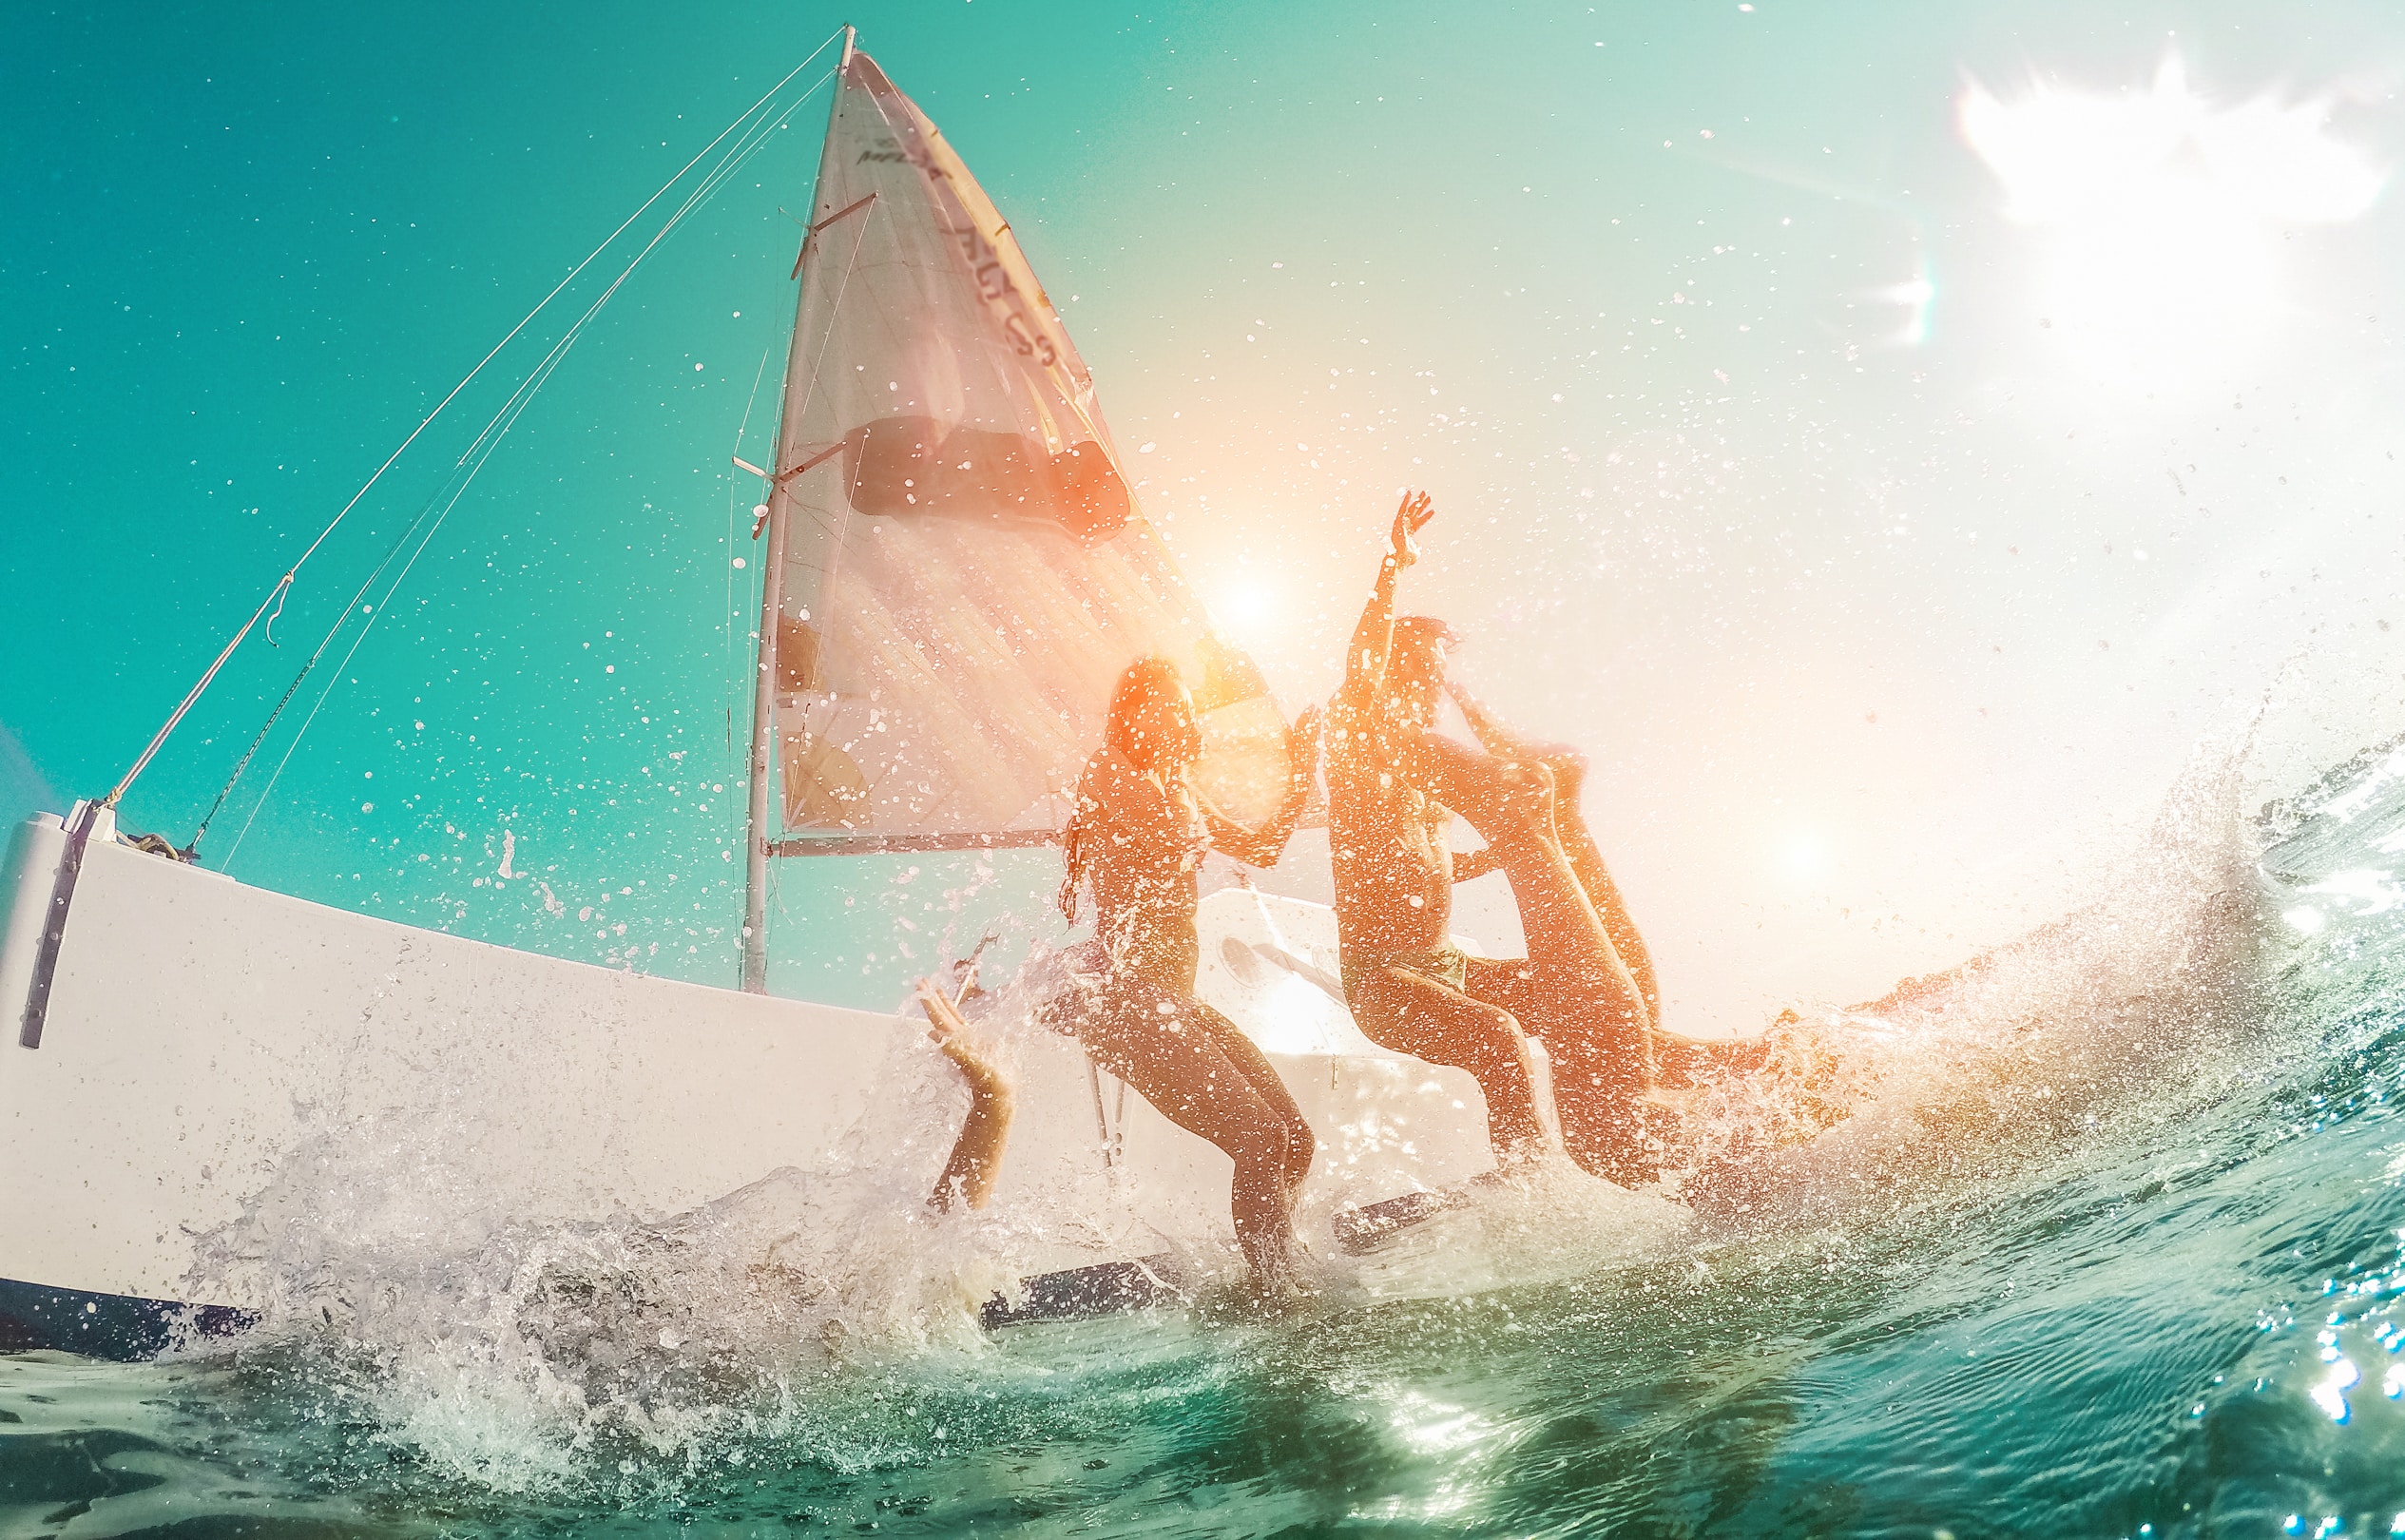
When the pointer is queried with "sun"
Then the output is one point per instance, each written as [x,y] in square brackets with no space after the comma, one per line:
[1245,606]
[1804,855]
[2161,212]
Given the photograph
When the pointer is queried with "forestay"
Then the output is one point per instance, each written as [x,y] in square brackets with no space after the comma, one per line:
[966,569]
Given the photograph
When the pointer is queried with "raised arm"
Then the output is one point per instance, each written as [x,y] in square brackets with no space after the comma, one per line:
[1501,742]
[1262,846]
[1374,638]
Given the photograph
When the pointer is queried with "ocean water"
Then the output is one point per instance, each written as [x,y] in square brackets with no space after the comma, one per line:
[2111,1244]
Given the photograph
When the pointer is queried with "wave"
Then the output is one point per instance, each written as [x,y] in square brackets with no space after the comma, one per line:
[2137,1007]
[824,1315]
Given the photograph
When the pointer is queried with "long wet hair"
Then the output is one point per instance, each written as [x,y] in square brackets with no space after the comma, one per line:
[1417,657]
[1142,684]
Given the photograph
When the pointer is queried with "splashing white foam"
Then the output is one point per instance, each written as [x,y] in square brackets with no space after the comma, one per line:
[526,1353]
[2132,1005]
[522,1352]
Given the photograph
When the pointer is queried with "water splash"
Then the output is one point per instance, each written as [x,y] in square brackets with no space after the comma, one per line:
[2131,1008]
[2160,1297]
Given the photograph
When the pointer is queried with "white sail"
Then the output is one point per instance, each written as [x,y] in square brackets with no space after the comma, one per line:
[966,569]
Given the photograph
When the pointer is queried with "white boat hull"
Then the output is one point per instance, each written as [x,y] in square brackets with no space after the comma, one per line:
[199,1033]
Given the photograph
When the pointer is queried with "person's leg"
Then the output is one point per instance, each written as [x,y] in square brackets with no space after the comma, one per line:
[1581,997]
[1608,1121]
[1572,977]
[1598,1087]
[1412,1013]
[1175,1064]
[1570,832]
[1594,877]
[976,1154]
[1680,1059]
[1505,983]
[1573,991]
[1299,1144]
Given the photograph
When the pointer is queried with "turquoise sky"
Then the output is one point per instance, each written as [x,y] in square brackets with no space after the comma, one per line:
[1716,339]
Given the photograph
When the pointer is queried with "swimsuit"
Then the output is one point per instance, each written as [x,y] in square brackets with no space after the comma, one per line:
[1448,965]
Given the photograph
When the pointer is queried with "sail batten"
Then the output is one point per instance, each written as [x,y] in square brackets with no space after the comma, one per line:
[967,569]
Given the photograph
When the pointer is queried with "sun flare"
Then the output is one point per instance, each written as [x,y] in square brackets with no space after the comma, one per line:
[2162,211]
[1245,608]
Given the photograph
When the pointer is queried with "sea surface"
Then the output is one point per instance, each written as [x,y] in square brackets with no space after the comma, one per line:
[2109,1242]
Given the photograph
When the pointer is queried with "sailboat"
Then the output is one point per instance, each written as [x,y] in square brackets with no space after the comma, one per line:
[956,568]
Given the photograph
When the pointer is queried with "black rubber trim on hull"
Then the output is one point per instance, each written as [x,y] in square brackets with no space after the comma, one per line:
[128,1328]
[1081,1293]
[123,1327]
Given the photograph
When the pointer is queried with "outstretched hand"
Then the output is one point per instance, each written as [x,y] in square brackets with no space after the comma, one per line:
[1410,519]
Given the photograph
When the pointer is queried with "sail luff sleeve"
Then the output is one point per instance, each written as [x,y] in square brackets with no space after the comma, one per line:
[776,574]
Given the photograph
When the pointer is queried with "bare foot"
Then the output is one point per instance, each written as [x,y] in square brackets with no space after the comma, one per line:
[1271,1297]
[1569,772]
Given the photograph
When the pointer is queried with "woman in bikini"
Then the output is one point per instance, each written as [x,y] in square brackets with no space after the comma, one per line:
[1585,987]
[1136,841]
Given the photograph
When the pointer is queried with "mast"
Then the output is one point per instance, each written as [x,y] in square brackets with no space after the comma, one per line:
[771,598]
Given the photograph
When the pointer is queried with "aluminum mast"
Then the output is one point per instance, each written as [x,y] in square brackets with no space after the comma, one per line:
[756,839]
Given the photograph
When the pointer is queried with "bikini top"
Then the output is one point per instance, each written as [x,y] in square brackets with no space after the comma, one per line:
[1127,820]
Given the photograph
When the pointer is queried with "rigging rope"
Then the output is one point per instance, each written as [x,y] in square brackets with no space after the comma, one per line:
[473,460]
[495,430]
[276,596]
